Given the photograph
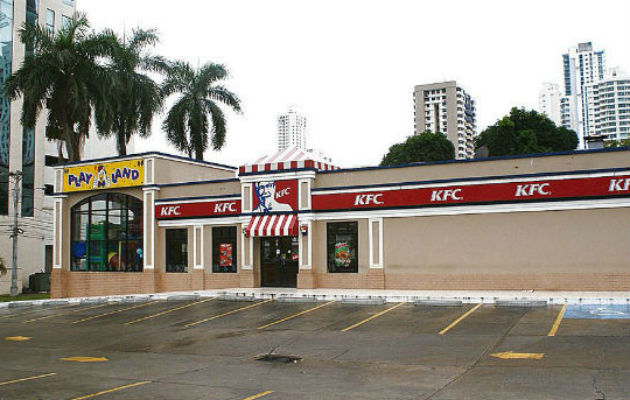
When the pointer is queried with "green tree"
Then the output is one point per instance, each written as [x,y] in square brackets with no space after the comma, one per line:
[64,75]
[424,147]
[617,143]
[525,132]
[134,97]
[187,123]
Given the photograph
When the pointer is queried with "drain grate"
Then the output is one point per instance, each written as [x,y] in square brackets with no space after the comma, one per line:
[278,358]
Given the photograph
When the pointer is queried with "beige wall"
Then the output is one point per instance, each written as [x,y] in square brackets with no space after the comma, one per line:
[170,171]
[518,166]
[202,189]
[536,250]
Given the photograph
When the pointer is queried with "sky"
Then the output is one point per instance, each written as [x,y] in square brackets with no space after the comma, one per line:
[351,66]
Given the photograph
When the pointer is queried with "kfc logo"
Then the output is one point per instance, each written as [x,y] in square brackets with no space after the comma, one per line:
[619,185]
[170,211]
[275,196]
[444,195]
[367,199]
[531,189]
[221,208]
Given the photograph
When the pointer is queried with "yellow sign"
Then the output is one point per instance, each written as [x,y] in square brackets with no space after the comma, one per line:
[110,175]
[511,355]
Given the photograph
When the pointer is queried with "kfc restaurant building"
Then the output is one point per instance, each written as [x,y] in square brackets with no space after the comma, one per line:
[154,223]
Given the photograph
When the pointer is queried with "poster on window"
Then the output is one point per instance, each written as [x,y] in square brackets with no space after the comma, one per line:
[342,254]
[225,254]
[275,196]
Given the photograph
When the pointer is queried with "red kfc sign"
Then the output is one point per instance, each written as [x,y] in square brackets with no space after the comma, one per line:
[273,196]
[211,208]
[471,193]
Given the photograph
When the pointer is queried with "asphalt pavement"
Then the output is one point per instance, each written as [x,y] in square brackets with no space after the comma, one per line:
[210,349]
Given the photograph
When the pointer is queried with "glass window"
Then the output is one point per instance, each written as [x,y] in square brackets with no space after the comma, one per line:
[50,20]
[224,249]
[65,20]
[106,234]
[177,250]
[342,244]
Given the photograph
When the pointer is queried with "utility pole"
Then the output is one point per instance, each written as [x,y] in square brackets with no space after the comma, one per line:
[17,175]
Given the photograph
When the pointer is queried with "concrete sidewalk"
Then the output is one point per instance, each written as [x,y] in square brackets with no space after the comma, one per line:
[507,297]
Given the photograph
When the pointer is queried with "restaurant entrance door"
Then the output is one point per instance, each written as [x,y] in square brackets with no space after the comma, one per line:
[279,261]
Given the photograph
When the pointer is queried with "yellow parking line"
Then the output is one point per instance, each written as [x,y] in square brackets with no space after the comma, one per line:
[226,313]
[556,324]
[27,379]
[116,389]
[113,312]
[458,320]
[66,313]
[259,395]
[170,310]
[296,315]
[373,316]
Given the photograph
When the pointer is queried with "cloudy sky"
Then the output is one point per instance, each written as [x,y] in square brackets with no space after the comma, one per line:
[351,66]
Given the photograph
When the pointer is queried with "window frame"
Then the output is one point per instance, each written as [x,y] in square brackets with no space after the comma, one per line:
[124,235]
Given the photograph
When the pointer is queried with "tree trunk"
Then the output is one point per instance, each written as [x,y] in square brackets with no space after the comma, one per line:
[71,144]
[199,154]
[121,143]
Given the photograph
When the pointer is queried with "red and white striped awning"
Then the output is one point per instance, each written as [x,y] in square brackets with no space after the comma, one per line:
[287,159]
[272,225]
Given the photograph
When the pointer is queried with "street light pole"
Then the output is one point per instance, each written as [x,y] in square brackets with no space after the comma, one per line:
[17,175]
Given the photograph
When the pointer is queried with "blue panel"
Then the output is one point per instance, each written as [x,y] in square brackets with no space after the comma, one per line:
[598,311]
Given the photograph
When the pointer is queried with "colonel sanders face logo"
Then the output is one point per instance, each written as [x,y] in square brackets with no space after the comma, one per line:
[101,180]
[269,198]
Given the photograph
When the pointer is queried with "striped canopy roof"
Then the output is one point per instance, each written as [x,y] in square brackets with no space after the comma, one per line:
[289,158]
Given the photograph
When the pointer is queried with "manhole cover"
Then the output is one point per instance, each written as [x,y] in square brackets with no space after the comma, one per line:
[278,358]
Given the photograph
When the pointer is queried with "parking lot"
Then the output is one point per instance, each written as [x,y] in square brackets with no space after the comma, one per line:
[209,348]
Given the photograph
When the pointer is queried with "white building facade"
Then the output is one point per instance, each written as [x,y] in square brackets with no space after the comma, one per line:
[292,133]
[582,66]
[26,150]
[608,103]
[446,107]
[550,102]
[291,130]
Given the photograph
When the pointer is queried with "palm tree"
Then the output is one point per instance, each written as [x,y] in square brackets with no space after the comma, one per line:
[134,98]
[64,75]
[186,124]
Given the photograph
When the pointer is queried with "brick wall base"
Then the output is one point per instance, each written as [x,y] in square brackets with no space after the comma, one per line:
[221,281]
[305,279]
[82,284]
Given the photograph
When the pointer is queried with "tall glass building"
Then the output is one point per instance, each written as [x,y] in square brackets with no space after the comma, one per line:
[26,150]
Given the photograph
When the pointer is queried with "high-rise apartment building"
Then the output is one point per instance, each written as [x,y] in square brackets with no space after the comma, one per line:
[582,66]
[291,130]
[608,106]
[550,102]
[446,107]
[26,150]
[595,102]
